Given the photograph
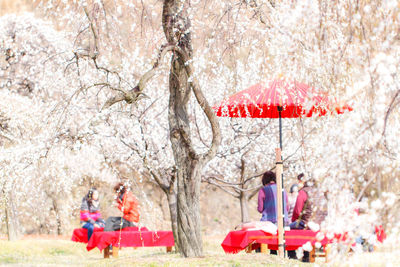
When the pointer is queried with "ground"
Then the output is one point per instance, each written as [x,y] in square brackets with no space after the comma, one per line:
[56,251]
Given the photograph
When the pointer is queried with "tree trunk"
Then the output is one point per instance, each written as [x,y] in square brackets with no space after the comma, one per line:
[244,207]
[11,220]
[174,218]
[243,196]
[58,220]
[176,26]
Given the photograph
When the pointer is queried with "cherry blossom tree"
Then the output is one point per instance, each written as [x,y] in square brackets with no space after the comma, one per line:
[120,80]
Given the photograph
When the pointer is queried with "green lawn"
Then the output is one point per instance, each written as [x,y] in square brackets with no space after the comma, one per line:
[41,252]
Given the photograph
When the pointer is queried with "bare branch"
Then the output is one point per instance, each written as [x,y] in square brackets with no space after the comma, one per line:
[234,194]
[135,94]
[96,48]
[252,194]
[365,188]
[388,112]
[157,177]
[221,180]
[235,186]
[198,130]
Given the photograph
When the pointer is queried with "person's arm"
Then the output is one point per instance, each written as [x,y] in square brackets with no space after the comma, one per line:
[122,204]
[131,206]
[287,202]
[84,213]
[120,201]
[298,207]
[128,204]
[95,216]
[261,198]
[134,209]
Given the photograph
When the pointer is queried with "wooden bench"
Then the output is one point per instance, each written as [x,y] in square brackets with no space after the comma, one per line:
[313,253]
[323,254]
[115,251]
[128,237]
[135,239]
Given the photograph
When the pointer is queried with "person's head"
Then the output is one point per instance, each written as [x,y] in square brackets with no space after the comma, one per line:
[294,188]
[301,177]
[120,188]
[305,181]
[92,194]
[268,177]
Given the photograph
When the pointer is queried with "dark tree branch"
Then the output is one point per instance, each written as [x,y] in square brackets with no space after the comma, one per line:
[133,95]
[234,194]
[96,43]
[392,105]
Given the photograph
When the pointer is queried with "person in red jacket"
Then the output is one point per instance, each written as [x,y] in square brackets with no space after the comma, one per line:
[128,205]
[310,207]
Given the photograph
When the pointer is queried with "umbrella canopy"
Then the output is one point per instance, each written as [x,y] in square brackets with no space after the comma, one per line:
[262,101]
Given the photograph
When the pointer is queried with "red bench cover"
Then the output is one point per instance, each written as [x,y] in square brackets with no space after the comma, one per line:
[131,239]
[236,241]
[80,234]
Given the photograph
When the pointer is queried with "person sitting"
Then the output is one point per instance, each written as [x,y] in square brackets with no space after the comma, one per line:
[294,190]
[128,205]
[90,212]
[267,201]
[310,207]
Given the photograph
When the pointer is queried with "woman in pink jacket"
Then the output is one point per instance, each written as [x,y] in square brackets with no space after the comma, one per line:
[90,212]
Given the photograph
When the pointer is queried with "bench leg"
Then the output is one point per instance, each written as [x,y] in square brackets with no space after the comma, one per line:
[249,248]
[169,249]
[327,252]
[107,252]
[264,248]
[312,254]
[115,252]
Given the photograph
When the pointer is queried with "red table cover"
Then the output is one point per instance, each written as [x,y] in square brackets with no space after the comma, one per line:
[131,239]
[236,241]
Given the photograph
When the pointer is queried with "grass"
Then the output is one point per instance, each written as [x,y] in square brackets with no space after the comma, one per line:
[44,252]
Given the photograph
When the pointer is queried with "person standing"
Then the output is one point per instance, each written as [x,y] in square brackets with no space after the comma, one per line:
[90,212]
[128,205]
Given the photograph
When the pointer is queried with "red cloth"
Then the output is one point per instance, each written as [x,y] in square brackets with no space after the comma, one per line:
[80,234]
[131,239]
[129,207]
[236,241]
[380,233]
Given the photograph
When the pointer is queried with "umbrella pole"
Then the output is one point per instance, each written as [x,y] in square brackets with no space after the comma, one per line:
[279,195]
[280,126]
[279,188]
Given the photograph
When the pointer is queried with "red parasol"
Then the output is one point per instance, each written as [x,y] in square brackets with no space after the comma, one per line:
[279,99]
